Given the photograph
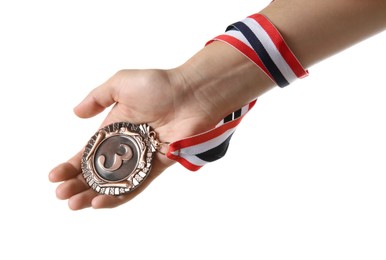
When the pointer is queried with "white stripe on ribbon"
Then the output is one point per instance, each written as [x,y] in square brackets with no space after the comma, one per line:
[244,110]
[193,160]
[270,47]
[238,35]
[205,146]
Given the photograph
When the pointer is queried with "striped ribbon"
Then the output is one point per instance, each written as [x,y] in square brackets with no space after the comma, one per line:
[195,151]
[258,39]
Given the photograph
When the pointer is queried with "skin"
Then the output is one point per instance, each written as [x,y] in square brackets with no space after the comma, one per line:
[217,80]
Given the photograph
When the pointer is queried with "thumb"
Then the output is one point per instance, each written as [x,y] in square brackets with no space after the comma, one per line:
[95,102]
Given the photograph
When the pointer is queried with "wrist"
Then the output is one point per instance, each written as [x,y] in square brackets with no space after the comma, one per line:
[220,80]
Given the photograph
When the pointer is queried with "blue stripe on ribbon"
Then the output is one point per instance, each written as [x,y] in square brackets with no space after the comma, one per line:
[216,152]
[261,52]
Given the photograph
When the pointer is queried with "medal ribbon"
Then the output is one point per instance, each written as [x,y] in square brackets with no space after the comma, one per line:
[259,40]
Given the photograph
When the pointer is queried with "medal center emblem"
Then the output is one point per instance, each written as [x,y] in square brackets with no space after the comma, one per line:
[116,158]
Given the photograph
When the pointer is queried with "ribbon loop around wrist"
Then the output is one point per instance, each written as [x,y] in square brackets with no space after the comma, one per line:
[259,40]
[196,151]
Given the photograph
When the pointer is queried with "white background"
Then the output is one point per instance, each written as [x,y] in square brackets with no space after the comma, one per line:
[304,177]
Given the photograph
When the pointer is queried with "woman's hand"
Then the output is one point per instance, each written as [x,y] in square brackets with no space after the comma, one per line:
[176,103]
[156,97]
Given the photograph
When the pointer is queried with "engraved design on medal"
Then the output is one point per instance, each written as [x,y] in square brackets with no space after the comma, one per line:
[118,158]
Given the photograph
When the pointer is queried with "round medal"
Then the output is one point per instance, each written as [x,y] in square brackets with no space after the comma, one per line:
[118,157]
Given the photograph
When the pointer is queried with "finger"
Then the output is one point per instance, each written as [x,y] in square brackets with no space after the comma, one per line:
[67,170]
[107,201]
[82,200]
[96,101]
[71,187]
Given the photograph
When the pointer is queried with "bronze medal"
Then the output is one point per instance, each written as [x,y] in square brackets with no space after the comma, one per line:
[119,157]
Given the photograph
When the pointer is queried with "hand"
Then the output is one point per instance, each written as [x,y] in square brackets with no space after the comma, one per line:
[176,103]
[156,97]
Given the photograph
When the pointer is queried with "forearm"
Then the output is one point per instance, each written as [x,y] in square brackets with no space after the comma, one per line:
[223,79]
[316,30]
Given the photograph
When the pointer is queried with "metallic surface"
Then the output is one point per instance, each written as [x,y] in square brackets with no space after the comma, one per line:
[118,157]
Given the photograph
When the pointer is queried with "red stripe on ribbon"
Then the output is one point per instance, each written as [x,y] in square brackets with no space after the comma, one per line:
[281,45]
[244,49]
